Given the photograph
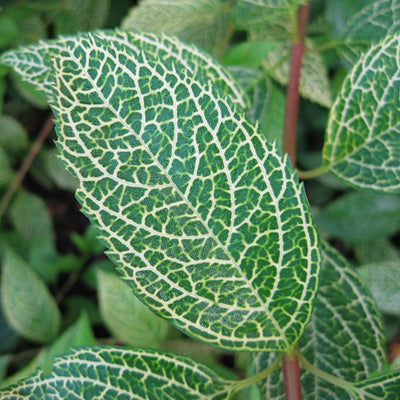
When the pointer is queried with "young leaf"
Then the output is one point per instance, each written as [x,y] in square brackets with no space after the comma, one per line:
[383,281]
[125,316]
[205,220]
[33,63]
[203,22]
[110,373]
[362,139]
[27,302]
[368,26]
[353,217]
[344,338]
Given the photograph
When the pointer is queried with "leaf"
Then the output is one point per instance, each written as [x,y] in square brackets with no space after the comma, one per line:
[383,281]
[205,220]
[204,22]
[267,101]
[362,138]
[314,83]
[28,304]
[8,337]
[125,316]
[369,26]
[380,249]
[90,14]
[79,334]
[33,62]
[384,387]
[30,218]
[13,137]
[344,338]
[360,217]
[57,173]
[249,54]
[111,372]
[255,14]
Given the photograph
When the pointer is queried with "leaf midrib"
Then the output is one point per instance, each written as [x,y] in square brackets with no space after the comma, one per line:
[138,136]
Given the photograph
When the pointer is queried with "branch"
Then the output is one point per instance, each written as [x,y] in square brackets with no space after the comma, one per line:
[36,146]
[292,93]
[291,375]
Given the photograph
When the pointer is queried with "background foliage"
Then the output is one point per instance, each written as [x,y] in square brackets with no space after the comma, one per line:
[51,259]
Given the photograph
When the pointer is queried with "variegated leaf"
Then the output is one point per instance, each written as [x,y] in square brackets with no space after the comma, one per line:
[110,373]
[344,338]
[362,140]
[33,62]
[203,22]
[205,220]
[369,26]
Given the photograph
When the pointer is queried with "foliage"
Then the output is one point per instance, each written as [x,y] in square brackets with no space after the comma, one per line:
[173,146]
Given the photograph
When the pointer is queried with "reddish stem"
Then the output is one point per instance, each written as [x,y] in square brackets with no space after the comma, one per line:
[291,376]
[292,93]
[34,150]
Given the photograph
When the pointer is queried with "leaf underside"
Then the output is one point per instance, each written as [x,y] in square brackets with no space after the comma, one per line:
[110,373]
[344,338]
[362,140]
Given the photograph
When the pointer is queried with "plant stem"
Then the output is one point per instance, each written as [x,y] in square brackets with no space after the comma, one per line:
[348,386]
[34,150]
[222,46]
[292,93]
[312,173]
[291,375]
[261,375]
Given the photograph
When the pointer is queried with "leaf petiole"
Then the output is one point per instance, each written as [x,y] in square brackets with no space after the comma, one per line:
[348,386]
[258,377]
[312,173]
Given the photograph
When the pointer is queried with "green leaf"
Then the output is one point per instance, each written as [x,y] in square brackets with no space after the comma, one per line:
[57,173]
[314,83]
[79,334]
[125,316]
[189,198]
[4,361]
[362,139]
[110,372]
[33,63]
[35,363]
[267,101]
[8,337]
[30,218]
[380,249]
[250,54]
[28,304]
[256,14]
[368,26]
[344,338]
[8,31]
[383,281]
[88,243]
[360,217]
[13,137]
[90,14]
[203,22]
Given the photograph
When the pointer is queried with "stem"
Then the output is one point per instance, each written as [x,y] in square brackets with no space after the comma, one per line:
[222,45]
[36,146]
[312,173]
[292,93]
[258,377]
[291,375]
[348,386]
